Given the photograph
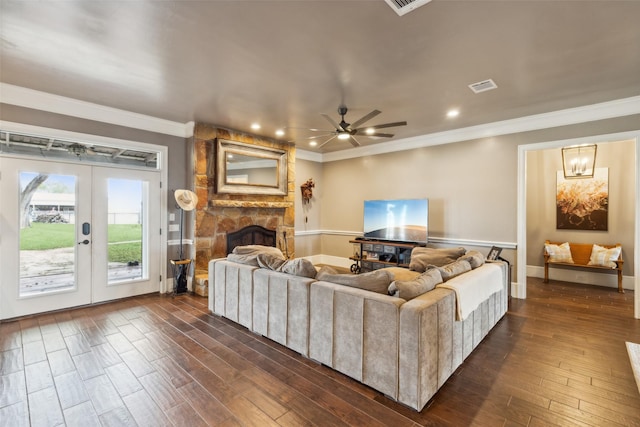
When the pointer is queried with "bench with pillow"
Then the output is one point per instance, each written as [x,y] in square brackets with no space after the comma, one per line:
[584,255]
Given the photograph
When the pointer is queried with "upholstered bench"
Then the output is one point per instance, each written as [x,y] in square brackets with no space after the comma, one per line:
[606,257]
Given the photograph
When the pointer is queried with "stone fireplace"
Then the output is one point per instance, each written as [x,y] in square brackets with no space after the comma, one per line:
[217,214]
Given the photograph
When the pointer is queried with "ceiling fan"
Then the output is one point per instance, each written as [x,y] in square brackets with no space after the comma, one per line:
[344,130]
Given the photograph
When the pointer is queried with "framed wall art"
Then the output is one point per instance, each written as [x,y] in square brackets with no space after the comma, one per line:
[583,204]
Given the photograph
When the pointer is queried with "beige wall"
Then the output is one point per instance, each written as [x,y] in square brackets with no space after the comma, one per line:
[471,186]
[308,239]
[542,167]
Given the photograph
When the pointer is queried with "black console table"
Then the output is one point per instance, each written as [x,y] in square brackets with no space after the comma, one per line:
[376,254]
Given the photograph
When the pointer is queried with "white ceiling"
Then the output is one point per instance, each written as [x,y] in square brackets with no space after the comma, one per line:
[284,63]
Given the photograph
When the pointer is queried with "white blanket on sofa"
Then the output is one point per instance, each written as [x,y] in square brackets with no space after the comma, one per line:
[474,287]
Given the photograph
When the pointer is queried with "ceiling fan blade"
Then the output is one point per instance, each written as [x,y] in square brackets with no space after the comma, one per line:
[309,129]
[366,118]
[333,122]
[354,141]
[385,125]
[381,135]
[325,143]
[320,136]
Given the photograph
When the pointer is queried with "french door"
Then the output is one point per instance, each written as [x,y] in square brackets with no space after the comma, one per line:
[74,234]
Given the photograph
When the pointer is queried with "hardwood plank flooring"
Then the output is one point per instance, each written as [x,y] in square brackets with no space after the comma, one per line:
[557,358]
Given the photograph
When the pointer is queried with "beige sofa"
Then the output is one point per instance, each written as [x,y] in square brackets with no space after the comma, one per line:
[404,349]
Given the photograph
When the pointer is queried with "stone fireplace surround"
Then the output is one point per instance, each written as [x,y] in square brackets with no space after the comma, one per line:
[217,214]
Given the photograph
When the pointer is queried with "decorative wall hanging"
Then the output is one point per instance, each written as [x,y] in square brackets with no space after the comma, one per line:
[307,190]
[583,204]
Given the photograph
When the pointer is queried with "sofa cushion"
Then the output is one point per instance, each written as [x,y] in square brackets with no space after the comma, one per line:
[248,254]
[410,289]
[453,269]
[421,258]
[298,267]
[374,281]
[559,253]
[475,258]
[604,257]
[400,273]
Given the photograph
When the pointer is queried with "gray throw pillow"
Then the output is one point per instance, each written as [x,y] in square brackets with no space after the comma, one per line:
[454,269]
[374,281]
[410,289]
[248,254]
[421,257]
[297,267]
[475,258]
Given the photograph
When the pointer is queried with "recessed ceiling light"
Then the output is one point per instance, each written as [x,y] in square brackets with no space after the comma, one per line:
[255,126]
[453,113]
[279,132]
[313,143]
[370,131]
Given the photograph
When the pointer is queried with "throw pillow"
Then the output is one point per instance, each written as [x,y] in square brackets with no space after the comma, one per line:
[248,254]
[400,273]
[475,258]
[374,281]
[454,269]
[559,253]
[297,267]
[410,289]
[423,257]
[604,257]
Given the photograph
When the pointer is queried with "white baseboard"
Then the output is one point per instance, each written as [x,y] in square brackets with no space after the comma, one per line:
[609,280]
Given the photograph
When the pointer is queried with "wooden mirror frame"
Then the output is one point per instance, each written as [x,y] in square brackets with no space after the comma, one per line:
[223,185]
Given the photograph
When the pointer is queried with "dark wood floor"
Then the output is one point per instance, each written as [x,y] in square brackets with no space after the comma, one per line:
[557,358]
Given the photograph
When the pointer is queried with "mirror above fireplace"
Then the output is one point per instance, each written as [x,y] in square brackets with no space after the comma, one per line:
[250,169]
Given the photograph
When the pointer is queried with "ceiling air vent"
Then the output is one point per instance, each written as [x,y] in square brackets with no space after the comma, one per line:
[405,6]
[483,86]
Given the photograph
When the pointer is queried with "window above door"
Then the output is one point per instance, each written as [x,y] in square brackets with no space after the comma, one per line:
[86,152]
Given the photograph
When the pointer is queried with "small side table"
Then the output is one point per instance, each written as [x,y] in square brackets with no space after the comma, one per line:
[181,268]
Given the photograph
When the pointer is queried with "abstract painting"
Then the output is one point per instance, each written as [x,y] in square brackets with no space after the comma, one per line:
[583,204]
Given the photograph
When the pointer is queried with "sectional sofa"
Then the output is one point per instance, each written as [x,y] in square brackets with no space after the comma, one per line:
[404,349]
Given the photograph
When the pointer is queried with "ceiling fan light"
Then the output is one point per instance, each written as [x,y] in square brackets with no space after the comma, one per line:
[343,135]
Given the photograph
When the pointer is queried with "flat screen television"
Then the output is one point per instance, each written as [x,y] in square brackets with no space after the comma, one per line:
[405,220]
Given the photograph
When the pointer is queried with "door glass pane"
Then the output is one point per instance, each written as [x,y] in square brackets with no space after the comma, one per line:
[47,232]
[125,230]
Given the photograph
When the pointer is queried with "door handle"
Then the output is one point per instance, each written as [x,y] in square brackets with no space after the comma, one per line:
[84,242]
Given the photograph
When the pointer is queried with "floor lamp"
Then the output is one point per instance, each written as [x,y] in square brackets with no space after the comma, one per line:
[187,201]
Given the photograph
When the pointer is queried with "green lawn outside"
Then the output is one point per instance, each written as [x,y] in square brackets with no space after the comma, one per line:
[52,236]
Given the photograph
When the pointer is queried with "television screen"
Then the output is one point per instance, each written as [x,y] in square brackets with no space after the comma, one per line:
[404,220]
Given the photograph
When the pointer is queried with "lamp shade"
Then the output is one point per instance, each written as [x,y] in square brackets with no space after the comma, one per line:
[579,161]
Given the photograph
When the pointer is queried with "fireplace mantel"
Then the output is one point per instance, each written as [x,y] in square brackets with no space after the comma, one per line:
[249,204]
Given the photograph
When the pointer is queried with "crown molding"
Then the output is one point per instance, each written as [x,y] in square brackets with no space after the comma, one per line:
[308,155]
[37,100]
[29,98]
[588,113]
